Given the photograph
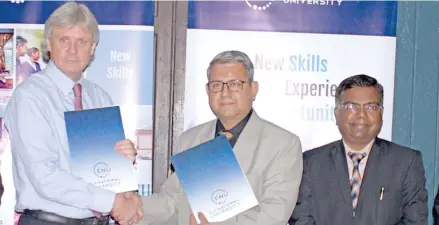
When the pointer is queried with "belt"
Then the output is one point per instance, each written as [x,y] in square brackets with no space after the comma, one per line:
[52,217]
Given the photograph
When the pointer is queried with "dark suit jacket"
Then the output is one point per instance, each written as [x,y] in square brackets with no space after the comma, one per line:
[324,195]
[436,209]
[1,189]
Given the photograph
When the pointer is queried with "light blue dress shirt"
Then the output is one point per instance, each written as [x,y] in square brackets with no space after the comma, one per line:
[34,118]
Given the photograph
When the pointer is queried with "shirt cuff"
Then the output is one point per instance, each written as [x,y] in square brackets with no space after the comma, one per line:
[102,200]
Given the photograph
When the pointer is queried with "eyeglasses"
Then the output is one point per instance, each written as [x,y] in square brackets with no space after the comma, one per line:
[355,107]
[232,85]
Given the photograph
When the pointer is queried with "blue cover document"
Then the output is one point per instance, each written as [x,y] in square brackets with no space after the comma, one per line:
[92,135]
[213,180]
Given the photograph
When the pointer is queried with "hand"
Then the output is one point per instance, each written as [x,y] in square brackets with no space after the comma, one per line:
[126,148]
[127,208]
[203,220]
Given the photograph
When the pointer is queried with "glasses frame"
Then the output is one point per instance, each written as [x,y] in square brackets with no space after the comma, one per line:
[356,107]
[241,86]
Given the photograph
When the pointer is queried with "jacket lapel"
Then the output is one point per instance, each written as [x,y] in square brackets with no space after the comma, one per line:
[246,145]
[338,160]
[372,179]
[207,133]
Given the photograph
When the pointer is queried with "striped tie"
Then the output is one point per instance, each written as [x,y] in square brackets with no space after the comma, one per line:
[356,177]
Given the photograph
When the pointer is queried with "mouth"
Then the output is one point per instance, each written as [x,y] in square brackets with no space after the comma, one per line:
[226,103]
[360,125]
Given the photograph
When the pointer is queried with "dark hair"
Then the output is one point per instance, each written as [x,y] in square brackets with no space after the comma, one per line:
[361,80]
[32,50]
[20,41]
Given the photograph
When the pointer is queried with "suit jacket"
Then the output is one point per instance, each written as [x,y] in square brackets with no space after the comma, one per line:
[271,158]
[436,209]
[324,196]
[2,189]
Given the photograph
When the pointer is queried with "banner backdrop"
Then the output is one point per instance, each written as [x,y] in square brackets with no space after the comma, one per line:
[123,66]
[301,51]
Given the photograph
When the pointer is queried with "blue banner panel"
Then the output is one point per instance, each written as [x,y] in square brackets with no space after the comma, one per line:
[301,16]
[106,12]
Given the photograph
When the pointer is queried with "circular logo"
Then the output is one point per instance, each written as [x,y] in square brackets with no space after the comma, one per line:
[259,5]
[102,169]
[219,196]
[17,1]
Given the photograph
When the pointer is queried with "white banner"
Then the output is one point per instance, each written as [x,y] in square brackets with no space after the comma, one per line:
[298,71]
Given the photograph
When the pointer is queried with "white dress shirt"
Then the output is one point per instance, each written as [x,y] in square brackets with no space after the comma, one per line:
[363,162]
[34,118]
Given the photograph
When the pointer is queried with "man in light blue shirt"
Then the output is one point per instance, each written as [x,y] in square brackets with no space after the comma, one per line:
[47,192]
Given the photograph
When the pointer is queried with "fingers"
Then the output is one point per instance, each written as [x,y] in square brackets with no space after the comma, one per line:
[192,220]
[202,218]
[125,142]
[130,210]
[126,147]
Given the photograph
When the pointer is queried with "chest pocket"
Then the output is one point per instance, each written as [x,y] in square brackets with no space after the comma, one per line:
[389,206]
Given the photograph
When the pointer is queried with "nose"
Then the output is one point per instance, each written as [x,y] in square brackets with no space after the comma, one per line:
[360,112]
[72,48]
[225,92]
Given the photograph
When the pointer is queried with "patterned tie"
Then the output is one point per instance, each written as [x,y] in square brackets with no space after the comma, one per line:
[356,177]
[228,135]
[77,92]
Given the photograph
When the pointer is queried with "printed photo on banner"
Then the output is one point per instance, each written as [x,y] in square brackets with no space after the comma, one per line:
[125,71]
[6,66]
[29,60]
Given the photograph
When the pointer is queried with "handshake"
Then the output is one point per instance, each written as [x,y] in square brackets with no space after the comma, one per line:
[127,208]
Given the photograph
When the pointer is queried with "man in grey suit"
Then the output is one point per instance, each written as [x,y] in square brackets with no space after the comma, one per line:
[270,156]
[392,183]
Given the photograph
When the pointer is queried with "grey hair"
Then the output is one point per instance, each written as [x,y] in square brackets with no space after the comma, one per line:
[68,15]
[45,54]
[233,57]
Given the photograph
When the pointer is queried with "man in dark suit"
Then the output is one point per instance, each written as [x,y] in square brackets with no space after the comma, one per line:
[436,209]
[392,183]
[2,189]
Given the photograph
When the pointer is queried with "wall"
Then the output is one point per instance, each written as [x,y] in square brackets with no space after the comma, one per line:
[415,121]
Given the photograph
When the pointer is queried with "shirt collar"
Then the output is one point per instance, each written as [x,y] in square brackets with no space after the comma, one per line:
[62,81]
[366,149]
[236,130]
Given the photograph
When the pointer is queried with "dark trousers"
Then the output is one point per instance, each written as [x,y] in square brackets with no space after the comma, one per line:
[30,220]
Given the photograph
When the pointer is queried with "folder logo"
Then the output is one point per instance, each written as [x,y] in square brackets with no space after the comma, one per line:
[219,196]
[102,170]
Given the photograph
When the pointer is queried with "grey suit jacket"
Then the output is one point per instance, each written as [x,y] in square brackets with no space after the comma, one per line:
[325,199]
[271,158]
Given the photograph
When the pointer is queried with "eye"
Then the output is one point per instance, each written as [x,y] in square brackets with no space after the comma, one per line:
[372,107]
[350,106]
[234,83]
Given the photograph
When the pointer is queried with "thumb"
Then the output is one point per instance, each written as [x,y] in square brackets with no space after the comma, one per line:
[202,218]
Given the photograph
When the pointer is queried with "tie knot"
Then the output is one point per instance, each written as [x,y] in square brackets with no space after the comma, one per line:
[356,157]
[227,134]
[77,90]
